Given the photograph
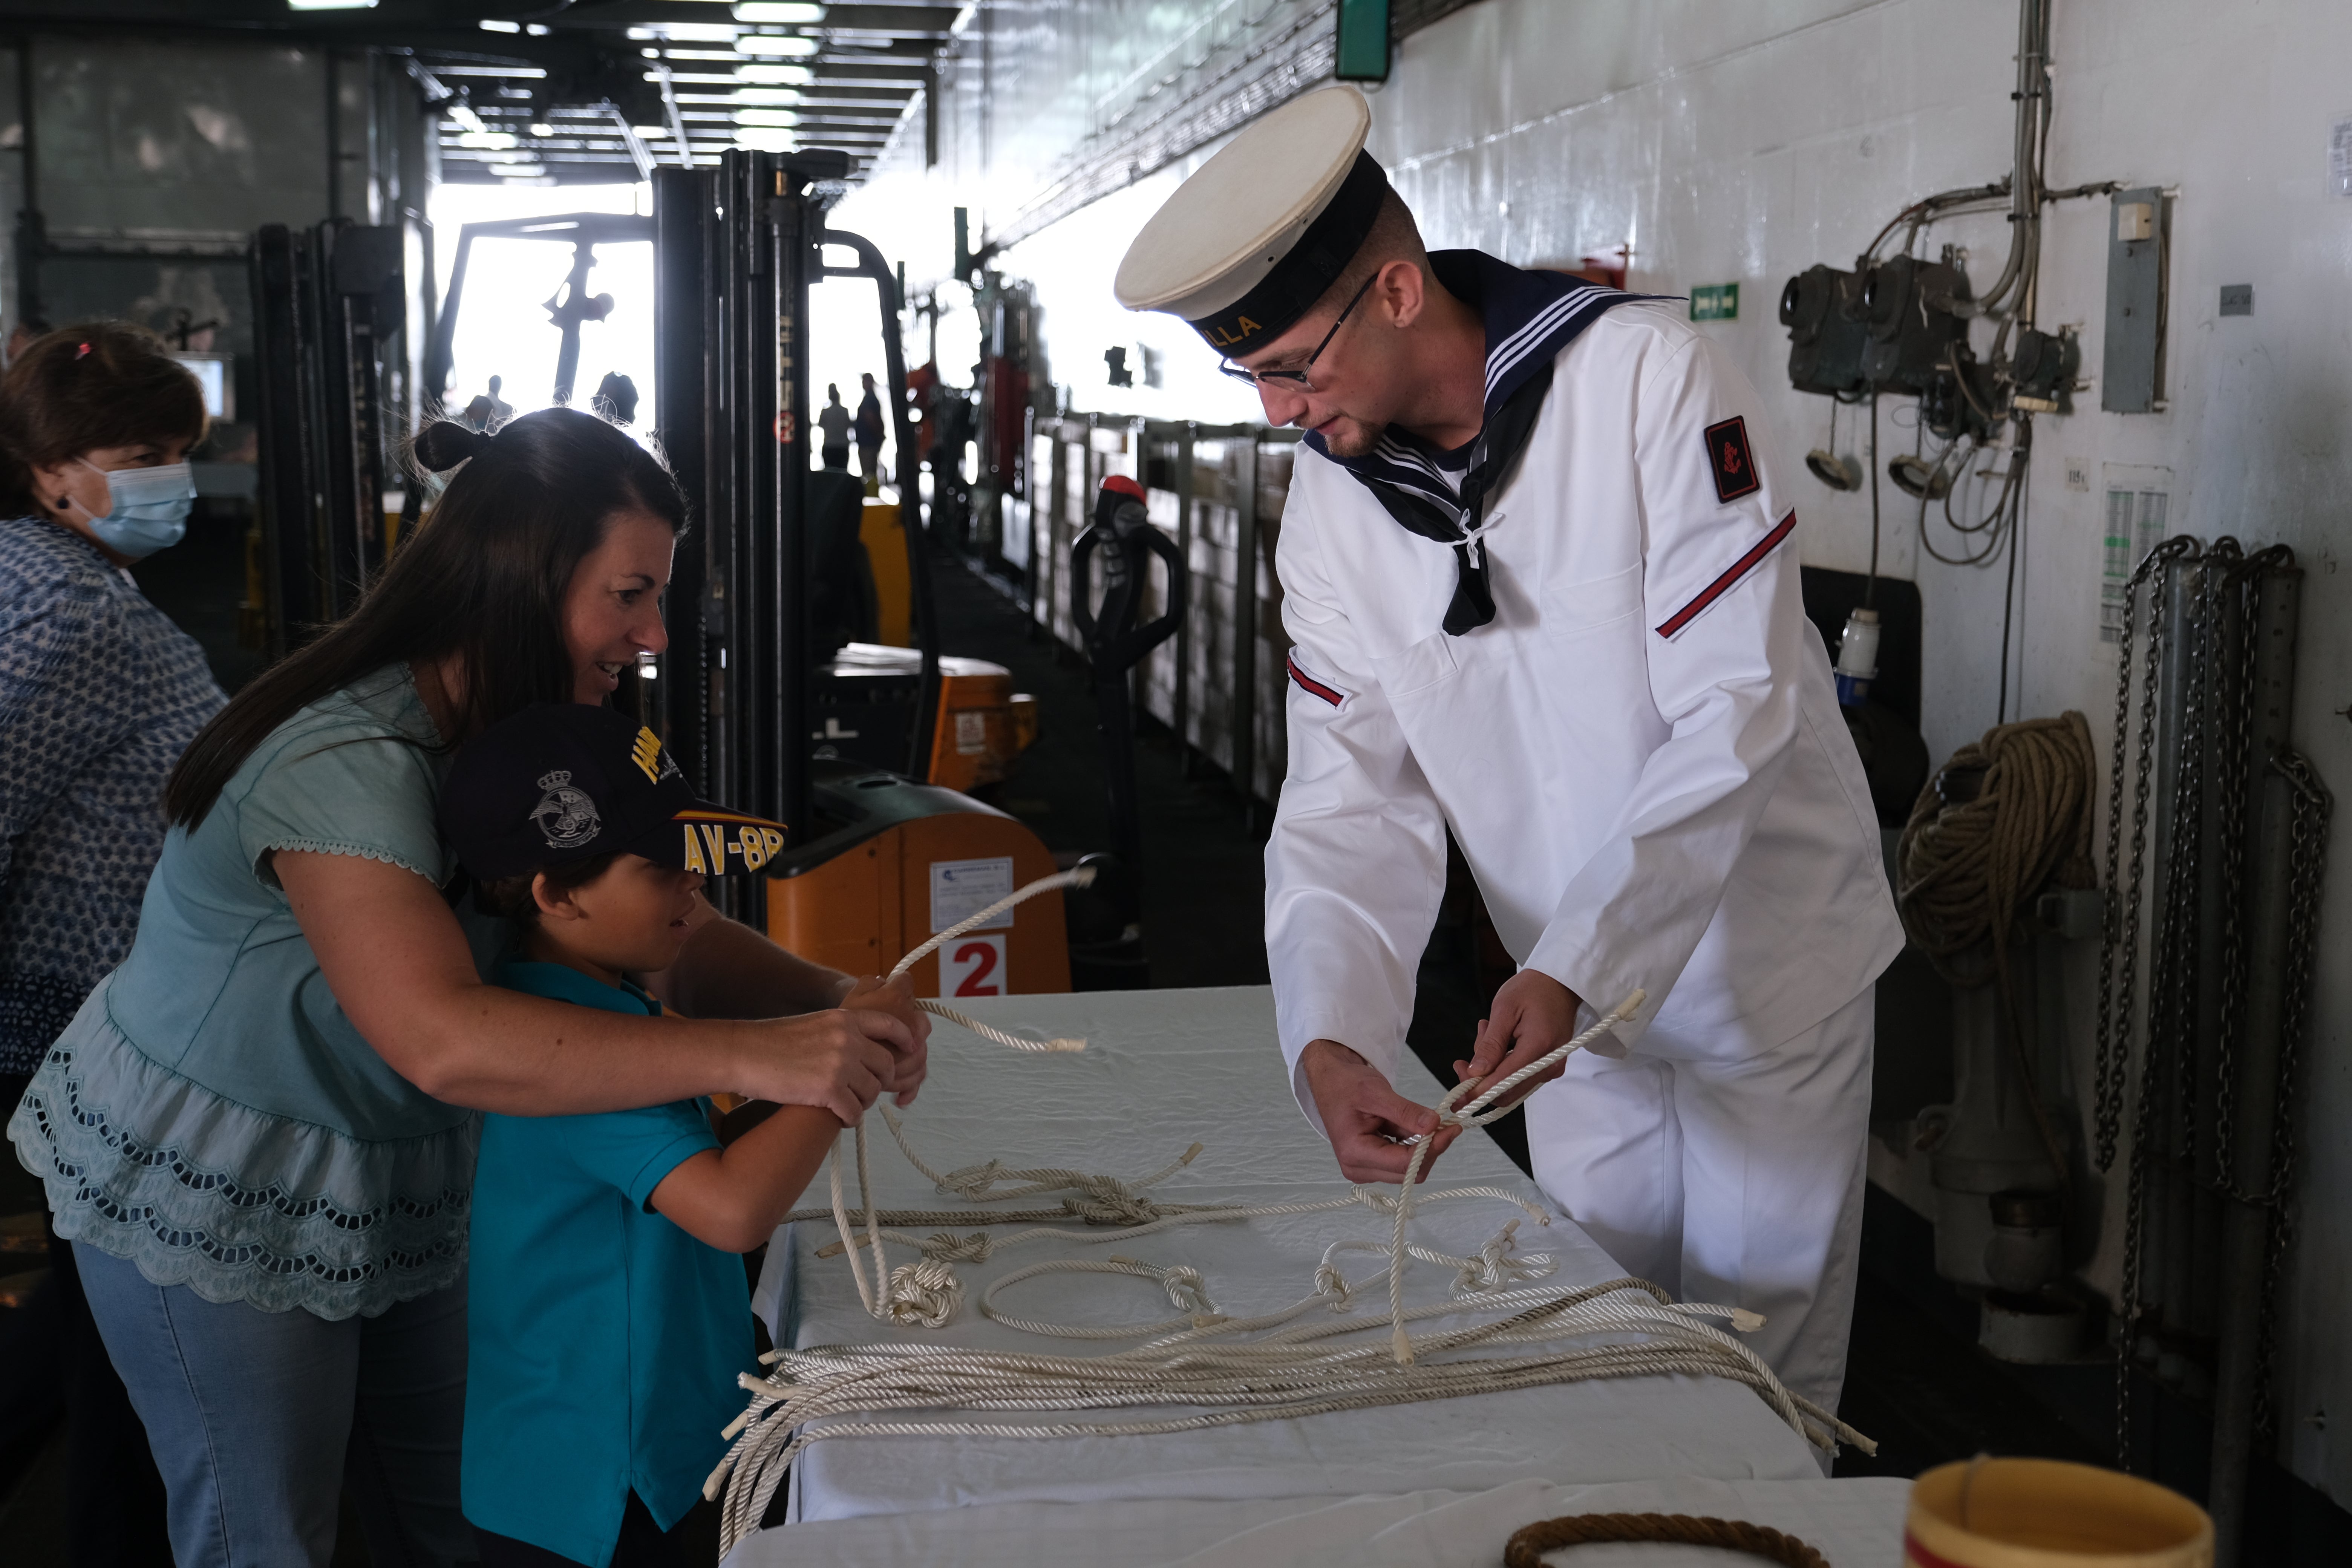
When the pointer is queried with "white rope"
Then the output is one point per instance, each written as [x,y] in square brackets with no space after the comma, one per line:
[1469,1116]
[1077,877]
[1626,1328]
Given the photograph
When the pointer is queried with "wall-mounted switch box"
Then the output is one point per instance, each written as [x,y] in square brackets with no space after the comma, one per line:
[2131,379]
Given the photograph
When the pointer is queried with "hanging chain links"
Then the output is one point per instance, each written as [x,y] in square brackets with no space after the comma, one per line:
[2205,626]
[2308,838]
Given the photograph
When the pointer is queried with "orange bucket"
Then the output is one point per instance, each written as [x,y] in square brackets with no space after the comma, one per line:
[2044,1513]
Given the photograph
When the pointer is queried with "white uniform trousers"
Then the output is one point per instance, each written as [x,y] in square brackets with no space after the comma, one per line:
[1737,1183]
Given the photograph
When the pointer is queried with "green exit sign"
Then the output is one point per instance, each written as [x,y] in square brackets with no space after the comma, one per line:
[1714,302]
[1363,45]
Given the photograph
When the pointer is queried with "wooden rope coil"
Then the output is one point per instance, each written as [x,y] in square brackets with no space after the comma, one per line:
[1527,1546]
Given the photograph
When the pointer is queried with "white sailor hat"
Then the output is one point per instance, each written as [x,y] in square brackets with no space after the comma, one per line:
[1249,243]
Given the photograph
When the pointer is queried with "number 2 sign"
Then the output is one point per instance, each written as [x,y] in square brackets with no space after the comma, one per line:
[973,966]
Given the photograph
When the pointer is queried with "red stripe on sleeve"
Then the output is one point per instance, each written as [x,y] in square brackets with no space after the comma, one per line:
[1310,685]
[1730,579]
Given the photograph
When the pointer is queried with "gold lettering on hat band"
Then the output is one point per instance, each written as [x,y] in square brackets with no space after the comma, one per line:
[647,754]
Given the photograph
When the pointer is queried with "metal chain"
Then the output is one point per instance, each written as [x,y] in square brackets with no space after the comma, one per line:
[2241,766]
[2157,570]
[2217,704]
[2241,597]
[2119,931]
[2308,848]
[2173,1029]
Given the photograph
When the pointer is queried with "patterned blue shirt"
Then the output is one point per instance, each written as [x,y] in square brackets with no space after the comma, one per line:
[99,693]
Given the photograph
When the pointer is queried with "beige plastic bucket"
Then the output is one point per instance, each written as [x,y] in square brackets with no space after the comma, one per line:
[2042,1513]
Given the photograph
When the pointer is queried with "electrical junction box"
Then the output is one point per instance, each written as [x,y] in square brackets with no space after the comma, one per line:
[2131,377]
[1820,307]
[1906,313]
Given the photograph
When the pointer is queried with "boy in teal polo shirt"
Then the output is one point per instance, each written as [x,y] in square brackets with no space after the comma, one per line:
[607,1310]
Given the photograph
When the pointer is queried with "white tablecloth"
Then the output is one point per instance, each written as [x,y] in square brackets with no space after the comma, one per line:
[1854,1525]
[1165,1068]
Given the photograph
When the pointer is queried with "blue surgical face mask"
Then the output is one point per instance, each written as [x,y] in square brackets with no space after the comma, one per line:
[149,509]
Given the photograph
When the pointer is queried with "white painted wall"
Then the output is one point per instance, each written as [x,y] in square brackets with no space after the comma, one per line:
[1744,140]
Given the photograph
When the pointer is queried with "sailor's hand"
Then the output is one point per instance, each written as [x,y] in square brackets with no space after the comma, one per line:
[896,998]
[1367,1121]
[1532,1014]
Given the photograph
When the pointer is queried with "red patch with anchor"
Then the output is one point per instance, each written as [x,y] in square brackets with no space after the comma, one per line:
[1734,465]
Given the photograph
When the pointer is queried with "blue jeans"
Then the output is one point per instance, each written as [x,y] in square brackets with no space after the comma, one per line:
[260,1421]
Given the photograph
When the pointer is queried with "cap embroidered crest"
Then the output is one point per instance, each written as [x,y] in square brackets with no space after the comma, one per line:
[566,816]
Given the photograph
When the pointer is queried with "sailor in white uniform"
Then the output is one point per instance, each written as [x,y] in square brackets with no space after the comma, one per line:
[1539,570]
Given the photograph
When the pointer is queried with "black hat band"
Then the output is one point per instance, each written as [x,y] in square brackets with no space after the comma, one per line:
[1307,271]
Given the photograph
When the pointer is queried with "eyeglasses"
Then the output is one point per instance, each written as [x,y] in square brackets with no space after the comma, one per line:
[1298,377]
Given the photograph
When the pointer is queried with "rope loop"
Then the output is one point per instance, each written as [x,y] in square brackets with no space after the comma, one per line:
[1527,1546]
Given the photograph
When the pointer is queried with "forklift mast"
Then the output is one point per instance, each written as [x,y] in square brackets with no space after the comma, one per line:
[736,249]
[328,304]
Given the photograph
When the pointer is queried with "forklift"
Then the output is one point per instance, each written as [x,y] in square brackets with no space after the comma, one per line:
[750,700]
[329,305]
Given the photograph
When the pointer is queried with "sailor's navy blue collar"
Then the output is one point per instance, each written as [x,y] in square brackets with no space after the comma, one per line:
[1530,317]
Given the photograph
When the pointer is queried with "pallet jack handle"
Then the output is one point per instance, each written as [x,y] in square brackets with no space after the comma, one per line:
[1115,644]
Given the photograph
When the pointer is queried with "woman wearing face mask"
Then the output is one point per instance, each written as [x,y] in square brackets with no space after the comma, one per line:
[99,695]
[257,1129]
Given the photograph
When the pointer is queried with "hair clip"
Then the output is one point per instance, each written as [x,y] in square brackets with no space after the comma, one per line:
[81,351]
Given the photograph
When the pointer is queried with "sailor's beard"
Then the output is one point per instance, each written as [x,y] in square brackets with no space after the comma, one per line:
[1351,438]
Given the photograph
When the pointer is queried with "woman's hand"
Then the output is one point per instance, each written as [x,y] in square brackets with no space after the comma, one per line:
[896,998]
[397,962]
[839,1061]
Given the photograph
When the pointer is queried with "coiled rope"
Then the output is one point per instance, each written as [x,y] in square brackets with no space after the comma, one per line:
[1626,1328]
[1526,1548]
[1967,864]
[1621,1329]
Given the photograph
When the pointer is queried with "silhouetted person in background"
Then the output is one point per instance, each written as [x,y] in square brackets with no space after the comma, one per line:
[870,437]
[833,420]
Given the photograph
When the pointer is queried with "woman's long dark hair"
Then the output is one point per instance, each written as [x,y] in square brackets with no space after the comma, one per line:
[483,578]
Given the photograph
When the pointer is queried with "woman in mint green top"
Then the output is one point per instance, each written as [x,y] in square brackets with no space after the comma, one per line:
[259,1130]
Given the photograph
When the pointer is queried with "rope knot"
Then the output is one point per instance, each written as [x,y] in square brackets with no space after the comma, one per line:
[1498,1265]
[925,1294]
[1111,1202]
[1186,1293]
[973,1182]
[1330,1281]
[945,1246]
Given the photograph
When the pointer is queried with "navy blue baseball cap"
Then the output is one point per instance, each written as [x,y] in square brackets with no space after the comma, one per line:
[561,781]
